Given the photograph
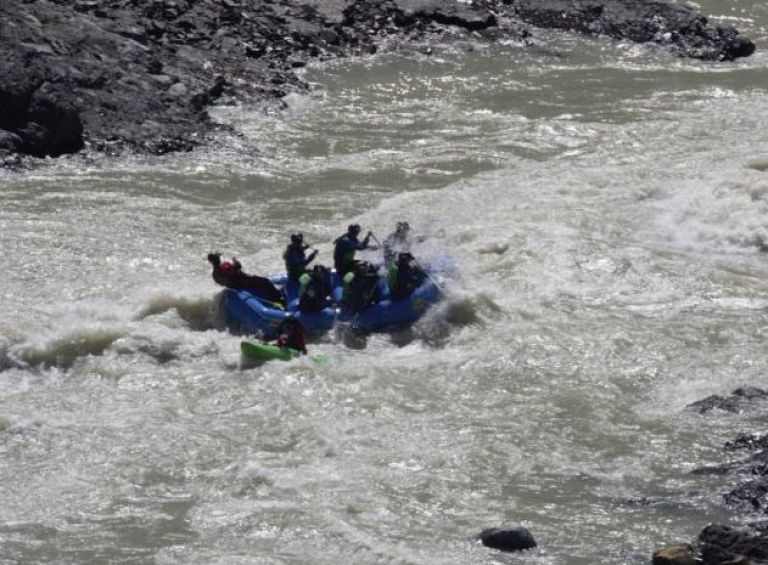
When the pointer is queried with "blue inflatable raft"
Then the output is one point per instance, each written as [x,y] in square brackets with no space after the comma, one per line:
[253,315]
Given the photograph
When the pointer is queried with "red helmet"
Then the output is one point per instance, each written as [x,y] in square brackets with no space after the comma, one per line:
[227,267]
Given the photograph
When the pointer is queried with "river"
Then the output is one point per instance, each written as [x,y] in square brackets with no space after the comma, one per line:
[605,204]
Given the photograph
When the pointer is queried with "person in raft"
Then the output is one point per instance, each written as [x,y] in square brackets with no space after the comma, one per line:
[295,257]
[361,287]
[399,241]
[292,334]
[315,289]
[345,247]
[230,274]
[405,276]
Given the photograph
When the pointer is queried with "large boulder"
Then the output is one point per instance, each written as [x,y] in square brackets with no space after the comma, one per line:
[9,142]
[674,26]
[675,555]
[515,538]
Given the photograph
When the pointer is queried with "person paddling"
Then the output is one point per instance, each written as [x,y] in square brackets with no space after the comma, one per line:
[399,241]
[292,334]
[295,257]
[396,242]
[315,289]
[361,287]
[404,276]
[230,275]
[345,248]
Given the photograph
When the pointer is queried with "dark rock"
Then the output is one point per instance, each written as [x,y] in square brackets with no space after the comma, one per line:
[50,108]
[33,139]
[752,495]
[680,28]
[750,392]
[747,441]
[155,66]
[516,538]
[9,142]
[722,544]
[715,402]
[740,399]
[447,13]
[110,67]
[675,555]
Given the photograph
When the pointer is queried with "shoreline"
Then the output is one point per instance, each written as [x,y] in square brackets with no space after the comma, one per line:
[122,77]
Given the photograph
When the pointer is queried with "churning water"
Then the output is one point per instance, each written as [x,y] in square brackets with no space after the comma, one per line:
[606,205]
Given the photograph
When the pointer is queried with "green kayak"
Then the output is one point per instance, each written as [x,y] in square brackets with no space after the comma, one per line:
[267,351]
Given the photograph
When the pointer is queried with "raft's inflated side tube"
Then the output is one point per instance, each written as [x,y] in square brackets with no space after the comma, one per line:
[390,313]
[257,316]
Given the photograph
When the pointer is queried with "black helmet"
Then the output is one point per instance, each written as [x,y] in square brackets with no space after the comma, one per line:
[353,228]
[362,266]
[402,227]
[297,238]
[319,269]
[404,257]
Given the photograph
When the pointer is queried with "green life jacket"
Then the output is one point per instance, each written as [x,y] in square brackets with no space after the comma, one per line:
[345,284]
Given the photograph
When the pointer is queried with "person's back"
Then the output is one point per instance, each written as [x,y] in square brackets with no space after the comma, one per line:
[361,287]
[295,257]
[293,335]
[315,288]
[230,274]
[404,277]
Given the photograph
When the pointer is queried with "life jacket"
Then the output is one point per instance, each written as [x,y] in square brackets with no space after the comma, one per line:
[403,280]
[313,292]
[344,252]
[360,291]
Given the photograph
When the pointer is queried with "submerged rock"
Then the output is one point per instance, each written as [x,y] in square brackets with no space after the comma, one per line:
[741,399]
[516,538]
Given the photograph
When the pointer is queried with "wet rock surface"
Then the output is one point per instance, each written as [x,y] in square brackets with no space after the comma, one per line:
[745,491]
[510,539]
[740,400]
[138,75]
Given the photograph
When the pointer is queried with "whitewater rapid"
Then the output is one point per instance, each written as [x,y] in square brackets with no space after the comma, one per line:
[606,206]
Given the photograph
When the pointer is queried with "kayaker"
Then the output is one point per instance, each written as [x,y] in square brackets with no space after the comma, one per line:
[405,276]
[230,274]
[292,334]
[295,257]
[361,287]
[345,248]
[315,289]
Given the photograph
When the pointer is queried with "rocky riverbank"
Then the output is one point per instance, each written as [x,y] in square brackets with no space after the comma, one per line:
[112,76]
[744,492]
